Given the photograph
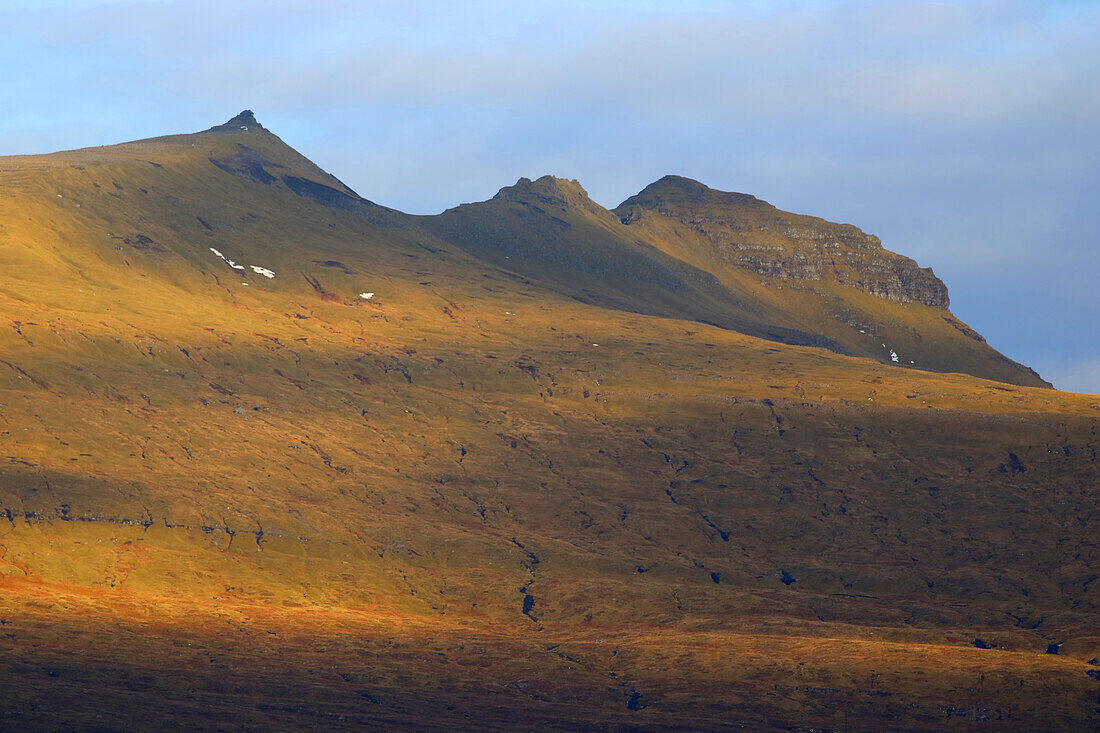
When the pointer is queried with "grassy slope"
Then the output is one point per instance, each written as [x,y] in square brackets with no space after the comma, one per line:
[551,232]
[277,504]
[726,234]
[644,259]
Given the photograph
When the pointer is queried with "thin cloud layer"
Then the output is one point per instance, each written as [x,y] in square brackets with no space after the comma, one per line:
[961,133]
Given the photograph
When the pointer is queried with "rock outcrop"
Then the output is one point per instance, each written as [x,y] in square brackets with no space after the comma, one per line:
[754,235]
[244,121]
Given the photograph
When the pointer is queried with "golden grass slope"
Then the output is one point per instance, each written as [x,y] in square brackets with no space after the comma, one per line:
[474,501]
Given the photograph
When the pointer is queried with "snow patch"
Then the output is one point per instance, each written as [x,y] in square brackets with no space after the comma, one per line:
[262,271]
[893,356]
[366,296]
[227,261]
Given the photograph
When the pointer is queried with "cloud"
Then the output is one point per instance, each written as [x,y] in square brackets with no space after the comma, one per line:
[948,63]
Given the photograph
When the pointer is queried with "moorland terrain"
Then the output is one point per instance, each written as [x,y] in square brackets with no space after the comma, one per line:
[276,457]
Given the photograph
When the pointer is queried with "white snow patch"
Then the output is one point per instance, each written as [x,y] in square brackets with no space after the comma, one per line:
[244,127]
[595,344]
[227,261]
[366,296]
[262,271]
[893,356]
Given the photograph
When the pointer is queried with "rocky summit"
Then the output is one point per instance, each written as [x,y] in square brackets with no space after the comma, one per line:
[274,456]
[758,237]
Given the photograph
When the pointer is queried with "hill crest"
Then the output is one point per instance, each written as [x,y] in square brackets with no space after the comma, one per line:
[677,249]
[752,234]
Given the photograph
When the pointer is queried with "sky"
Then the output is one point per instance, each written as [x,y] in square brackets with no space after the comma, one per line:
[964,134]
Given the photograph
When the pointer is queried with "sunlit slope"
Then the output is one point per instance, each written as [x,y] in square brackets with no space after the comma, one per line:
[826,278]
[503,481]
[205,213]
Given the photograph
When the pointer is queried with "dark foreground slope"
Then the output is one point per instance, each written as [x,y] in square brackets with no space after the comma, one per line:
[230,501]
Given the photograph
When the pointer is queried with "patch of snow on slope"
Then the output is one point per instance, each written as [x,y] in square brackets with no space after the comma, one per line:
[226,260]
[262,271]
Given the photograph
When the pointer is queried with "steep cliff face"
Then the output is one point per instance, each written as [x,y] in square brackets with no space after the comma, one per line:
[754,235]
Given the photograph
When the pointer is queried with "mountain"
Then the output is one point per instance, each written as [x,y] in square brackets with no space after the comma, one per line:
[274,456]
[679,249]
[550,232]
[830,279]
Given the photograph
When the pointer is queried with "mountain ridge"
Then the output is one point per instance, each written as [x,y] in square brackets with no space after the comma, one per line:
[908,283]
[273,458]
[721,258]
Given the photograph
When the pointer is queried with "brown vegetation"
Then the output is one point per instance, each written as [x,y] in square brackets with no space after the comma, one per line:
[502,494]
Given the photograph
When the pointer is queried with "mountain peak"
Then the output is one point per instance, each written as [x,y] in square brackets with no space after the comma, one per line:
[752,235]
[682,183]
[244,121]
[673,191]
[547,190]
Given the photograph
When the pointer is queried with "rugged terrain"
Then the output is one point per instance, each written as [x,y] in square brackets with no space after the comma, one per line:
[694,463]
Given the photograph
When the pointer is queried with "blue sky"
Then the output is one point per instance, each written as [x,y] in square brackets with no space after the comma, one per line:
[964,134]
